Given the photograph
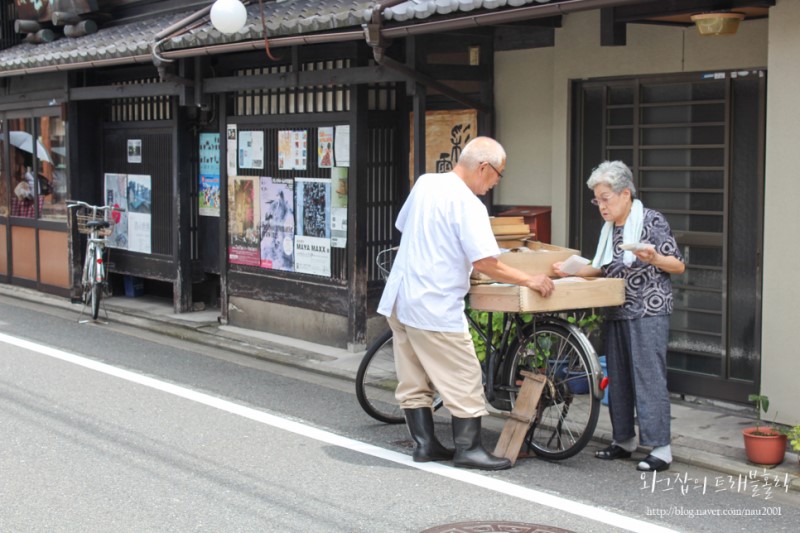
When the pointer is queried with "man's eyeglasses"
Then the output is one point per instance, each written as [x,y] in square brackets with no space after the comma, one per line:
[603,200]
[499,174]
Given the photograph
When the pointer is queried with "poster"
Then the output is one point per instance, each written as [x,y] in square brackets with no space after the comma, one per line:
[209,175]
[339,207]
[341,146]
[231,149]
[134,150]
[139,213]
[243,232]
[325,157]
[251,149]
[446,134]
[277,224]
[312,255]
[116,187]
[312,243]
[292,149]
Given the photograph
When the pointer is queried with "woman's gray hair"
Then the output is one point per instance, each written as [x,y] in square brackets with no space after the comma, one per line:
[615,174]
[482,149]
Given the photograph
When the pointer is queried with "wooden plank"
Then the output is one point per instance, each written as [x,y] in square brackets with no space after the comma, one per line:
[521,417]
[501,221]
[591,292]
[511,229]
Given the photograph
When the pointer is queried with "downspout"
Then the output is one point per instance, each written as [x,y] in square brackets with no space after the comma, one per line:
[460,23]
[166,33]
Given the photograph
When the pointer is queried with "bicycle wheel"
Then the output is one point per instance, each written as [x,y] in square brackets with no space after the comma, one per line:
[97,293]
[376,381]
[567,412]
[88,277]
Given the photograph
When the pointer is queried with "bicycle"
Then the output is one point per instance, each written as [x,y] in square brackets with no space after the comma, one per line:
[95,222]
[546,344]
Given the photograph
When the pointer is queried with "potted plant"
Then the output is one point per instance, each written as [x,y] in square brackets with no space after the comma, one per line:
[763,445]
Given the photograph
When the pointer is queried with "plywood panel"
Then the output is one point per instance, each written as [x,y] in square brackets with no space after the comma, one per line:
[53,258]
[23,252]
[3,251]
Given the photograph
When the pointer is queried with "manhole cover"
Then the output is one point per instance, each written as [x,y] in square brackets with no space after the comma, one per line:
[485,527]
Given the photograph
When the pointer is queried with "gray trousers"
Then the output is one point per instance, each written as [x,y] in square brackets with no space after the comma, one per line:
[636,353]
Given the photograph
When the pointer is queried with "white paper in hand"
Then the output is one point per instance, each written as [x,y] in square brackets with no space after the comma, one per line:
[636,246]
[573,264]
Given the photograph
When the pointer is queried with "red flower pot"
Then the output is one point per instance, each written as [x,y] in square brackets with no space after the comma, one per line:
[764,445]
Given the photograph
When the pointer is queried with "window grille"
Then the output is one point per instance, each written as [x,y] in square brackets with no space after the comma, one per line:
[311,99]
[139,109]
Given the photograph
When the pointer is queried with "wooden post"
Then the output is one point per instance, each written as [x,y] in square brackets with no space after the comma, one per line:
[521,418]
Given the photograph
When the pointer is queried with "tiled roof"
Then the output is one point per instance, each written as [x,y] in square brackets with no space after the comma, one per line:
[283,18]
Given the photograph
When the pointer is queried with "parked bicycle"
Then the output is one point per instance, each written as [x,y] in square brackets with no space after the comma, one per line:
[97,223]
[546,344]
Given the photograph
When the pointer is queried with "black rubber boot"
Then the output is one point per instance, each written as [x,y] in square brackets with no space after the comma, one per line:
[470,453]
[428,448]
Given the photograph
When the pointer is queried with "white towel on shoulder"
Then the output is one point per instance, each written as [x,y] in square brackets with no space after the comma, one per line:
[631,233]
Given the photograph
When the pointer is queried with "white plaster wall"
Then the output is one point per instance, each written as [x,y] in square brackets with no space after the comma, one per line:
[524,123]
[780,357]
[577,54]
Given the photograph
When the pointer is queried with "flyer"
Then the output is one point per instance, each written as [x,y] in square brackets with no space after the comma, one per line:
[116,186]
[208,191]
[139,213]
[243,231]
[251,149]
[312,252]
[277,224]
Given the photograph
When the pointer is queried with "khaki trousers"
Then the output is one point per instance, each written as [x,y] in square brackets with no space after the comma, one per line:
[430,361]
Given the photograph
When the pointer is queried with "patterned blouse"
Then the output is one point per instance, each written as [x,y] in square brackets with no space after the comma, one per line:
[648,290]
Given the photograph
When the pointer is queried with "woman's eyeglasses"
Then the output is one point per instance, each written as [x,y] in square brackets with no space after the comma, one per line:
[603,200]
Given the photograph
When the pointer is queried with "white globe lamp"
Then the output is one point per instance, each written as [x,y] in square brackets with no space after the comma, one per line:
[228,16]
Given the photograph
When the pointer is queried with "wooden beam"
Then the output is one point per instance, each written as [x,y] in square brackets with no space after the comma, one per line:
[107,92]
[612,32]
[637,12]
[283,80]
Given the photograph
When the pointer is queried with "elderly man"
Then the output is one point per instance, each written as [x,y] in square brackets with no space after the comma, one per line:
[445,234]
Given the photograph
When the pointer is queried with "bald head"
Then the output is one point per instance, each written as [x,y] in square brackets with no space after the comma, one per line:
[482,150]
[481,163]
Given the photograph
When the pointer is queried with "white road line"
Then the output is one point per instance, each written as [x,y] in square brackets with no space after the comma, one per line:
[465,476]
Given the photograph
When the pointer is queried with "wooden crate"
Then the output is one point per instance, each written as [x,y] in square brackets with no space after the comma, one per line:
[538,258]
[569,294]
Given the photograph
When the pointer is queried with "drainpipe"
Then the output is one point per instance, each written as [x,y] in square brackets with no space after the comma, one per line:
[164,34]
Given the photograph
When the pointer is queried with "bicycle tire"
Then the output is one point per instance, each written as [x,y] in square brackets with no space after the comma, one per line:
[88,276]
[376,382]
[567,412]
[97,293]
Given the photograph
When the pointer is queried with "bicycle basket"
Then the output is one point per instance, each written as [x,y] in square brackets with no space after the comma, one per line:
[86,217]
[384,261]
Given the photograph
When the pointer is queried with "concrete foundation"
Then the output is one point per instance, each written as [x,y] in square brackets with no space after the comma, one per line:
[305,324]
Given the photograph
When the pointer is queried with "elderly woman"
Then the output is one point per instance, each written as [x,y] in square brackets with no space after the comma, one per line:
[636,244]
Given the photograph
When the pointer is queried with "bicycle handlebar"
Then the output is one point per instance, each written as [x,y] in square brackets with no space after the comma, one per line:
[79,203]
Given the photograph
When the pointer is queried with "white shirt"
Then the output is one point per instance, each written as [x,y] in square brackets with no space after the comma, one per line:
[445,228]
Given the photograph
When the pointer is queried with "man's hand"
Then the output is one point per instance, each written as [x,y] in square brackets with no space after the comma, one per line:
[542,284]
[503,273]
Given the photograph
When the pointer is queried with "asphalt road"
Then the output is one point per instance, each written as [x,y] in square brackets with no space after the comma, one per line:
[110,428]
